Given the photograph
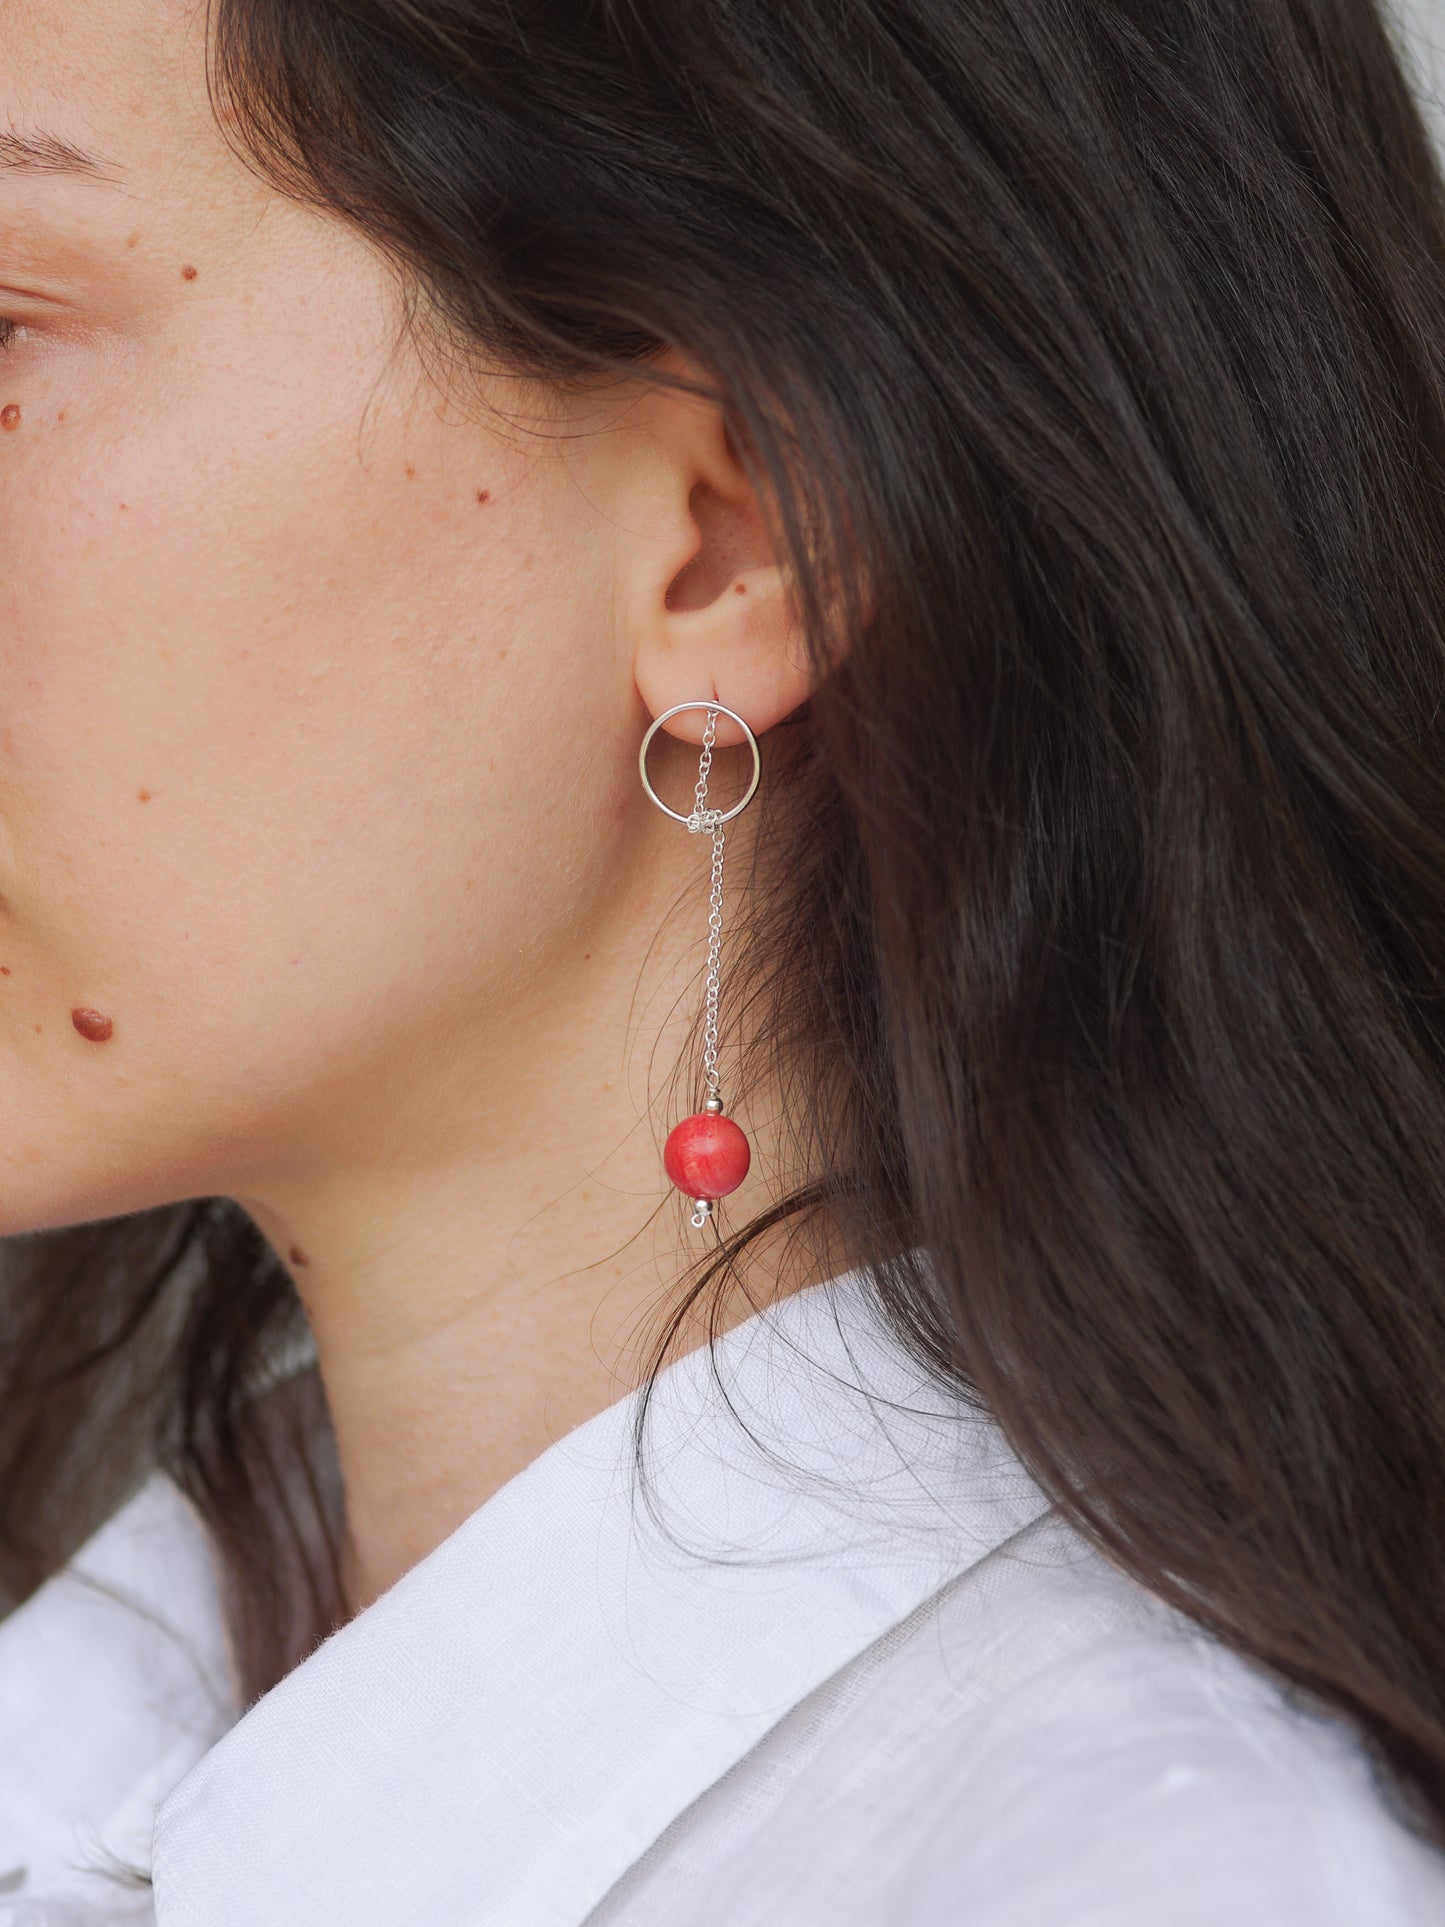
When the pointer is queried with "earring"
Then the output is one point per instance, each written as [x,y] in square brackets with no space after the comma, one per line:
[707,1155]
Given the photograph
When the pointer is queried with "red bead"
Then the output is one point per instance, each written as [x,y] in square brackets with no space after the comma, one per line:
[707,1155]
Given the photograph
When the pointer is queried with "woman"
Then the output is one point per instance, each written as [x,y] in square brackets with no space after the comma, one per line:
[1001,1479]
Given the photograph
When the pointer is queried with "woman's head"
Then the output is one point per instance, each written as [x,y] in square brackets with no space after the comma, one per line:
[325,657]
[1088,358]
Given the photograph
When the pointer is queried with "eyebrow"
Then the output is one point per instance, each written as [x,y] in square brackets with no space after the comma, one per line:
[46,154]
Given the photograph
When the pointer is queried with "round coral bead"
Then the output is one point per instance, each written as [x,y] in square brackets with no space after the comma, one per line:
[707,1155]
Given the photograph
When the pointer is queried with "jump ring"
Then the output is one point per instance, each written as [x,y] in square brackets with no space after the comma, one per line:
[679,816]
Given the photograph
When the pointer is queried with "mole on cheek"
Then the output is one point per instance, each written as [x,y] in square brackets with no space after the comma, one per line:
[93,1024]
[10,417]
[188,273]
[298,1256]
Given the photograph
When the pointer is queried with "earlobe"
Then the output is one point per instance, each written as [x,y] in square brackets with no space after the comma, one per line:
[744,648]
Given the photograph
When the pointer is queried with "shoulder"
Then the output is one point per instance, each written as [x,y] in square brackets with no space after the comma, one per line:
[1041,1743]
[1108,1762]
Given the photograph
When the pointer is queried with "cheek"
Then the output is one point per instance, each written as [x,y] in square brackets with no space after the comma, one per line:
[295,753]
[195,607]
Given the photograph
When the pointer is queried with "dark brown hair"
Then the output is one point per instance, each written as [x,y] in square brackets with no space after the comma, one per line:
[1094,353]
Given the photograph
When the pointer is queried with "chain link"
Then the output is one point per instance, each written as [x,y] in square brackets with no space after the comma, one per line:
[704,769]
[704,819]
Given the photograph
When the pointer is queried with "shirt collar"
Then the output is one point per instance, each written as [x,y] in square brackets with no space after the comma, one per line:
[500,1736]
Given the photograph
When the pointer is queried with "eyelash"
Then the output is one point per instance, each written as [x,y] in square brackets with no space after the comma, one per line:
[9,334]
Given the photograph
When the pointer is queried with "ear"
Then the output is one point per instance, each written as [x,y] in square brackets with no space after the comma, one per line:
[706,595]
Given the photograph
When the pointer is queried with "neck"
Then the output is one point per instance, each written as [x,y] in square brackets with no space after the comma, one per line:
[481,1276]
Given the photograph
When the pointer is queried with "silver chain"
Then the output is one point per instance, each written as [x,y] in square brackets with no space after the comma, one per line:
[701,819]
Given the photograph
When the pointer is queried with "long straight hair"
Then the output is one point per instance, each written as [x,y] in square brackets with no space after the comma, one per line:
[1094,354]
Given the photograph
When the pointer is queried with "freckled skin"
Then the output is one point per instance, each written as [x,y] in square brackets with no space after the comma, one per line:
[4,970]
[142,796]
[10,416]
[484,495]
[92,1024]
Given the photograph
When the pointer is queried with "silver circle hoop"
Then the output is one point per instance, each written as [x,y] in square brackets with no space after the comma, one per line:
[725,816]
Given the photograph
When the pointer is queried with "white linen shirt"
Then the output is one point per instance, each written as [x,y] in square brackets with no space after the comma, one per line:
[839,1663]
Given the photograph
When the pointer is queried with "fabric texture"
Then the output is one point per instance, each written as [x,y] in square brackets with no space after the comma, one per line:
[836,1662]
